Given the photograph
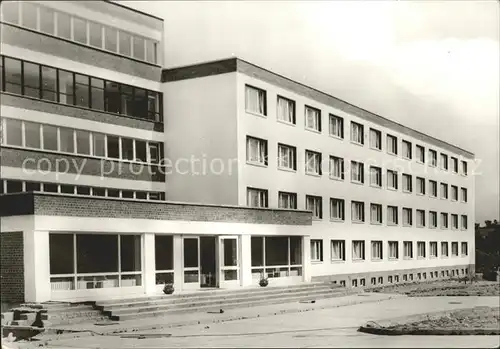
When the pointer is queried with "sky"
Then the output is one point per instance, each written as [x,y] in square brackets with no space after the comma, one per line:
[430,65]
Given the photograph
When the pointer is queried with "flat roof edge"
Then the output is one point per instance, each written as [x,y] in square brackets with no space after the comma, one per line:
[133,9]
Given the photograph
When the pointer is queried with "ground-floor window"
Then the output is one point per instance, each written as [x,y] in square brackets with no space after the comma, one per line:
[164,259]
[276,256]
[89,261]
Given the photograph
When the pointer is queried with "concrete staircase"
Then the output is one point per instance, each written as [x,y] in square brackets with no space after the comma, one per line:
[214,300]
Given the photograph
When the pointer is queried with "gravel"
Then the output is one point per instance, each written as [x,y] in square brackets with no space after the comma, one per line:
[443,288]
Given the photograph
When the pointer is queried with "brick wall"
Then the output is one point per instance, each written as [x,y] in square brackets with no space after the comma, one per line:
[12,267]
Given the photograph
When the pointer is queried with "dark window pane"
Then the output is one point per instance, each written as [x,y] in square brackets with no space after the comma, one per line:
[79,30]
[12,75]
[95,32]
[50,188]
[96,253]
[63,26]
[127,149]
[83,190]
[31,80]
[138,48]
[164,252]
[125,43]
[276,250]
[82,90]
[97,86]
[153,105]
[66,141]
[65,87]
[154,196]
[61,252]
[130,252]
[32,186]
[47,20]
[98,192]
[67,189]
[257,251]
[99,144]
[14,186]
[142,195]
[127,194]
[32,135]
[190,252]
[110,39]
[13,132]
[140,151]
[151,51]
[83,142]
[112,97]
[295,250]
[154,152]
[49,83]
[1,187]
[10,11]
[49,137]
[140,103]
[127,100]
[29,15]
[113,149]
[113,193]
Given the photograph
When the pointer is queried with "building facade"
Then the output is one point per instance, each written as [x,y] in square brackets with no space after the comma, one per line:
[119,176]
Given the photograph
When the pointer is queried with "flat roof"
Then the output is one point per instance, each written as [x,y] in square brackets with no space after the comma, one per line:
[235,64]
[114,2]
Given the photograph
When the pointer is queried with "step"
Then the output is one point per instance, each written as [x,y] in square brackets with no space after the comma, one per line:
[215,292]
[216,301]
[73,315]
[211,307]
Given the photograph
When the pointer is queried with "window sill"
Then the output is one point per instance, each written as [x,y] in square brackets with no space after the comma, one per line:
[407,258]
[286,169]
[337,220]
[420,162]
[312,130]
[376,186]
[432,227]
[420,194]
[393,259]
[407,191]
[377,260]
[313,174]
[337,261]
[357,143]
[316,219]
[375,223]
[256,114]
[420,226]
[444,198]
[337,137]
[407,225]
[257,164]
[316,262]
[420,257]
[444,228]
[392,224]
[358,260]
[336,179]
[407,158]
[392,154]
[433,196]
[393,189]
[286,122]
[454,200]
[432,257]
[376,149]
[357,183]
[357,222]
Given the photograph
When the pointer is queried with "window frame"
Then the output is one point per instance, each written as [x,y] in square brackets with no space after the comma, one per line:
[393,174]
[341,209]
[317,120]
[378,139]
[333,159]
[317,206]
[377,245]
[361,205]
[262,146]
[317,247]
[334,118]
[291,200]
[393,209]
[363,250]
[264,100]
[378,219]
[392,144]
[292,153]
[360,133]
[291,103]
[377,172]
[409,149]
[389,254]
[263,201]
[357,171]
[342,250]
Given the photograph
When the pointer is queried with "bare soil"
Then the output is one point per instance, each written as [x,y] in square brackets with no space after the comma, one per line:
[443,288]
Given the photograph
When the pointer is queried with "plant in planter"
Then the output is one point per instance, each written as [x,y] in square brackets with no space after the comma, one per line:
[263,282]
[168,289]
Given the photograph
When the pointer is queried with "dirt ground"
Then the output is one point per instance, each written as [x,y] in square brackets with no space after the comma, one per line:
[443,288]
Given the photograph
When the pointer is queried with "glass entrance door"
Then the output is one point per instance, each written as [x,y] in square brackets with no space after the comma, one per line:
[229,265]
[191,262]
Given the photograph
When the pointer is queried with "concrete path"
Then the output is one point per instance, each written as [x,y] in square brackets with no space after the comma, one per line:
[329,327]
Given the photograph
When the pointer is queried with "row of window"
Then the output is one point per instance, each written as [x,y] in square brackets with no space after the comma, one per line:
[37,17]
[15,186]
[34,135]
[257,153]
[66,87]
[338,250]
[287,200]
[256,102]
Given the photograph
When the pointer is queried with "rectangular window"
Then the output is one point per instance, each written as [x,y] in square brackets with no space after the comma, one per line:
[14,132]
[433,249]
[138,43]
[454,193]
[444,220]
[338,250]
[82,92]
[336,167]
[464,167]
[110,39]
[336,126]
[95,34]
[125,42]
[444,191]
[32,135]
[313,118]
[420,218]
[393,250]
[14,186]
[287,200]
[407,153]
[358,250]
[444,249]
[407,183]
[407,217]
[98,144]
[392,215]
[357,133]
[464,222]
[82,142]
[66,140]
[375,176]
[315,204]
[464,194]
[113,147]
[432,158]
[97,93]
[392,145]
[420,186]
[49,137]
[317,250]
[257,150]
[286,110]
[66,87]
[255,100]
[432,219]
[49,83]
[375,139]
[29,15]
[421,249]
[287,157]
[63,25]
[13,83]
[377,250]
[31,79]
[357,172]
[420,154]
[392,180]
[454,164]
[454,221]
[454,249]
[357,211]
[127,149]
[465,250]
[10,11]
[444,162]
[79,30]
[408,249]
[337,209]
[257,197]
[433,188]
[376,214]
[313,162]
[151,51]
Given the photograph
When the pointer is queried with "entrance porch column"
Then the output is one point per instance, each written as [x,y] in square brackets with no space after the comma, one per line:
[246,260]
[178,262]
[306,259]
[149,263]
[36,266]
